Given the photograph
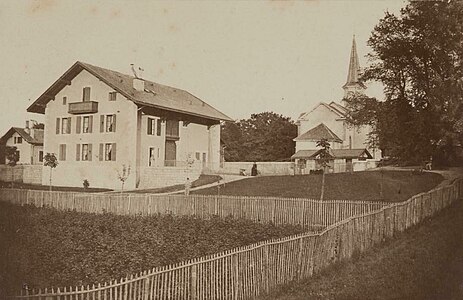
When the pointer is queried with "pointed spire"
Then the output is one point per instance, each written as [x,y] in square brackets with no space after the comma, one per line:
[352,83]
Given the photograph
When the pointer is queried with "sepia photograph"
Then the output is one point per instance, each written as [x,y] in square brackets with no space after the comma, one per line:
[209,150]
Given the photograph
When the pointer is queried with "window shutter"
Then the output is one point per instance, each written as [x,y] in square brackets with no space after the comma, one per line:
[113,152]
[102,123]
[90,152]
[150,126]
[64,151]
[158,128]
[114,123]
[90,124]
[68,129]
[57,125]
[100,155]
[77,152]
[78,124]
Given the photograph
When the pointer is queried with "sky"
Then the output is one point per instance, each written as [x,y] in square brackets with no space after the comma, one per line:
[241,57]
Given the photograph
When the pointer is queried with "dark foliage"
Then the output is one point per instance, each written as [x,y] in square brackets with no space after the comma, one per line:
[46,247]
[418,56]
[265,136]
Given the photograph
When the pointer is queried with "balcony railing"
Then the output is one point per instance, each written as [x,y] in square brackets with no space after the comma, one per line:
[87,107]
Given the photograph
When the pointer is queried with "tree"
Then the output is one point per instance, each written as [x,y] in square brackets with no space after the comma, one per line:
[265,136]
[418,58]
[324,157]
[12,155]
[123,175]
[50,160]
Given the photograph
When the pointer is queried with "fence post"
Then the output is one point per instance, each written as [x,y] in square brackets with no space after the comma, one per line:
[273,210]
[193,286]
[146,290]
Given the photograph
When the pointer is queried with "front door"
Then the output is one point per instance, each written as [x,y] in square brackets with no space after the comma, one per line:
[171,154]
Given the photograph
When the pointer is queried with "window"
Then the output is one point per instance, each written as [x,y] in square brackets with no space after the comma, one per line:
[18,140]
[62,152]
[198,156]
[110,123]
[152,158]
[112,96]
[151,126]
[40,156]
[108,151]
[65,125]
[172,128]
[65,100]
[158,128]
[85,152]
[86,124]
[86,94]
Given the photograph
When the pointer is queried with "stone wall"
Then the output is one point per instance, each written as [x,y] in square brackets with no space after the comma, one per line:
[22,173]
[155,177]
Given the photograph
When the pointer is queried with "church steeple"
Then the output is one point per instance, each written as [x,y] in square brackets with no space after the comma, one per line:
[352,84]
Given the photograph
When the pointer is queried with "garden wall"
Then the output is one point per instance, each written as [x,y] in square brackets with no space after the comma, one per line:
[31,174]
[265,168]
[155,177]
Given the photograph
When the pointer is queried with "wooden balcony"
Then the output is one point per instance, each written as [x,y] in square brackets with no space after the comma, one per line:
[87,107]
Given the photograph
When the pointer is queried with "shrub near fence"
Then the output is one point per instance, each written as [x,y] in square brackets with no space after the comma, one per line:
[310,213]
[246,272]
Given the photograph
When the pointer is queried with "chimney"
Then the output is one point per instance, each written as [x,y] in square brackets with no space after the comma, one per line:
[27,129]
[139,84]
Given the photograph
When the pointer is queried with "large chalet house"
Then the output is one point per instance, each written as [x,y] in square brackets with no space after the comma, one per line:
[349,148]
[97,121]
[28,142]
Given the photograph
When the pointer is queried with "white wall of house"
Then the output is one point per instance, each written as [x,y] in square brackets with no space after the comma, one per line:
[25,149]
[72,172]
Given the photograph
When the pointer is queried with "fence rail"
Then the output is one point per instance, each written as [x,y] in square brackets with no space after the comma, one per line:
[248,271]
[296,211]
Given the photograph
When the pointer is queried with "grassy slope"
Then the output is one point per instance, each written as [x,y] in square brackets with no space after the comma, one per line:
[425,262]
[45,247]
[397,186]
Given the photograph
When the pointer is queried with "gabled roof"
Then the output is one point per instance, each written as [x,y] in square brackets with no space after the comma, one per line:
[340,108]
[37,139]
[350,153]
[335,153]
[317,133]
[155,95]
[304,154]
[329,107]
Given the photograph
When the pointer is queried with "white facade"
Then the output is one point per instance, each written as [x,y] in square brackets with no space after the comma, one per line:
[83,147]
[29,154]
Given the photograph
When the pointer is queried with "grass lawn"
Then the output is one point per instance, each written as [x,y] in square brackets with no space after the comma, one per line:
[44,247]
[397,186]
[202,180]
[425,262]
[18,185]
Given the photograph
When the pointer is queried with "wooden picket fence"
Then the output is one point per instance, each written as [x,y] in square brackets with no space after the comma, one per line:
[245,272]
[296,211]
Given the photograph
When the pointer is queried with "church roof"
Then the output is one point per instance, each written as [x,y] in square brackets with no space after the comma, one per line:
[317,133]
[354,68]
[155,95]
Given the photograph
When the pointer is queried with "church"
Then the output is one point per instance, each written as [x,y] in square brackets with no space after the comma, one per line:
[349,147]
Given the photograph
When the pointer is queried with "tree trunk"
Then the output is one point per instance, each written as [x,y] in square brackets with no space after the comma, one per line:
[12,177]
[51,169]
[323,184]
